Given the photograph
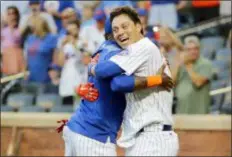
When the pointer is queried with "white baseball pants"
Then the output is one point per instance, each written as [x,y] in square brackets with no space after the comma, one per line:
[154,142]
[79,145]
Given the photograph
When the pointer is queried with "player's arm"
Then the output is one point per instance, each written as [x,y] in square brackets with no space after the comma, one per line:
[127,61]
[113,68]
[105,69]
[127,84]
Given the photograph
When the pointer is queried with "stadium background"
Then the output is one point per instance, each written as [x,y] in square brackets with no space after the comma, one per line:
[30,108]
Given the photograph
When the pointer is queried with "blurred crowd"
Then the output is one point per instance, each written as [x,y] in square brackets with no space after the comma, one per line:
[54,41]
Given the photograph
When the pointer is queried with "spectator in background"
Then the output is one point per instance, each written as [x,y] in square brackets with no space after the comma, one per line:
[39,48]
[74,71]
[147,30]
[164,12]
[67,15]
[12,55]
[95,33]
[21,5]
[192,75]
[143,16]
[108,6]
[54,74]
[143,4]
[87,16]
[80,4]
[205,10]
[34,6]
[55,8]
[170,44]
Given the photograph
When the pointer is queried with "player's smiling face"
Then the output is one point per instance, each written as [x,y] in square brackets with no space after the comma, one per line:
[125,31]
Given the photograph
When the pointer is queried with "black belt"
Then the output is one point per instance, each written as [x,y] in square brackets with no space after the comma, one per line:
[165,128]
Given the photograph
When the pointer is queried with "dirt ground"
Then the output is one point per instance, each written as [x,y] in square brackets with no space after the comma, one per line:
[47,142]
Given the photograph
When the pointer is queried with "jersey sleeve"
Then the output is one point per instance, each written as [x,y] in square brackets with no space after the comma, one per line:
[123,83]
[133,57]
[107,69]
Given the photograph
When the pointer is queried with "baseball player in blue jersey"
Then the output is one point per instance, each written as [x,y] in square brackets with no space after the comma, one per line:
[92,129]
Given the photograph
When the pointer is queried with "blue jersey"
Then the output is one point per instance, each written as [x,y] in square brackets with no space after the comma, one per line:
[61,6]
[101,119]
[39,53]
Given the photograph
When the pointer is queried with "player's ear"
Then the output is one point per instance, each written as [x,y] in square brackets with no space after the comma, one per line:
[138,27]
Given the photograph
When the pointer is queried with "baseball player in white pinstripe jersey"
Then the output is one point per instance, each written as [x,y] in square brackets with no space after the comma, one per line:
[93,128]
[147,123]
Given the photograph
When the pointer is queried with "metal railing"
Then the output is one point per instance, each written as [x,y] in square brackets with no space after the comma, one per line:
[205,25]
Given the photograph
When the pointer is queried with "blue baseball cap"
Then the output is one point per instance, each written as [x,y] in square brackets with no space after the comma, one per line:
[142,12]
[108,27]
[99,15]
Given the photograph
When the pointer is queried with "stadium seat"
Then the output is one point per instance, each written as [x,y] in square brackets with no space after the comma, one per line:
[19,99]
[31,109]
[33,88]
[7,108]
[217,100]
[62,109]
[50,88]
[224,75]
[226,108]
[213,43]
[47,101]
[209,54]
[209,45]
[219,66]
[223,54]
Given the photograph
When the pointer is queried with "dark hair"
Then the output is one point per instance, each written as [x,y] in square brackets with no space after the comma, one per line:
[131,13]
[16,13]
[75,22]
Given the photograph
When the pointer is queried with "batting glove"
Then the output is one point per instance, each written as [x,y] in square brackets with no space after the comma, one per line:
[87,92]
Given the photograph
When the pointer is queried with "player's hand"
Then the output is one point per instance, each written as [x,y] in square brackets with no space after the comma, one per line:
[167,82]
[162,68]
[87,91]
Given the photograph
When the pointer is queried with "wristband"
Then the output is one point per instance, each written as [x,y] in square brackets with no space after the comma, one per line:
[154,80]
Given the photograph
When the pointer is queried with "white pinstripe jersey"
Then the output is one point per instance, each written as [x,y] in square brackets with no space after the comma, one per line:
[146,106]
